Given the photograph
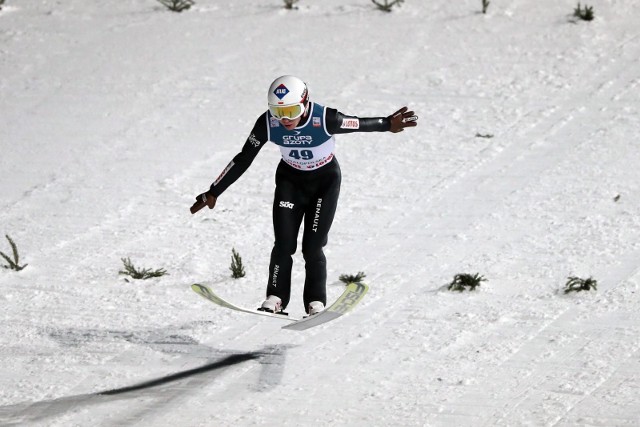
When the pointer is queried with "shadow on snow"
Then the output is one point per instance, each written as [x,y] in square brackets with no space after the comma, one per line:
[270,358]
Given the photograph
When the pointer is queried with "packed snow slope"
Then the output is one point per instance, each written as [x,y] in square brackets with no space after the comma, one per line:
[524,168]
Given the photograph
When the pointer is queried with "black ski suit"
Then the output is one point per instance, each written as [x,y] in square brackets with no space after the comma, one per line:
[307,188]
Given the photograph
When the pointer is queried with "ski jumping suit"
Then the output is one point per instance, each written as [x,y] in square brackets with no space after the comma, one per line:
[307,187]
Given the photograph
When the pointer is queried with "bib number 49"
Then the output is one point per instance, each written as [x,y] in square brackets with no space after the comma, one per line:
[301,154]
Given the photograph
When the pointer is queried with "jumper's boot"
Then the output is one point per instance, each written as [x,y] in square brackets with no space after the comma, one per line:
[315,307]
[272,304]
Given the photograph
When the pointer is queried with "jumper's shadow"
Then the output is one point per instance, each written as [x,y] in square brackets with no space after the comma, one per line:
[160,390]
[231,360]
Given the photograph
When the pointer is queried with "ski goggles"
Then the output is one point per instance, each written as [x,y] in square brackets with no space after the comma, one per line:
[290,112]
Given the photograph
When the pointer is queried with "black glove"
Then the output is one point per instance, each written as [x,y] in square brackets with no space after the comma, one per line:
[402,119]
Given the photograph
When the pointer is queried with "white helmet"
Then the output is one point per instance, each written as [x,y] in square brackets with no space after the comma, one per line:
[288,97]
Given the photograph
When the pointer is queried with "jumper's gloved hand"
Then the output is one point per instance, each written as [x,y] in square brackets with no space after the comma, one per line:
[402,119]
[202,200]
[209,199]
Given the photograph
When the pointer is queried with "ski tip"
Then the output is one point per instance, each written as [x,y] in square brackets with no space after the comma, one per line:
[358,286]
[202,290]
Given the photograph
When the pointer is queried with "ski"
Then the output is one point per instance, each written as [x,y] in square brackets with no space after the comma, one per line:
[353,293]
[207,293]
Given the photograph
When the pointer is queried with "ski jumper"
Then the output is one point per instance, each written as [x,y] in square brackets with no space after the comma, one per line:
[307,189]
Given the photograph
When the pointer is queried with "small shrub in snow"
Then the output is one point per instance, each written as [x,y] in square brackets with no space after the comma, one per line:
[136,273]
[177,5]
[585,14]
[485,5]
[576,284]
[288,4]
[465,281]
[1,3]
[13,263]
[237,269]
[387,5]
[350,278]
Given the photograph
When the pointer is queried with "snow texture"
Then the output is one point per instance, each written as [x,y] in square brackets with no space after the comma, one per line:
[115,114]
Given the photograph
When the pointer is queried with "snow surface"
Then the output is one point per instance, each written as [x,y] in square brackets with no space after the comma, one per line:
[115,114]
